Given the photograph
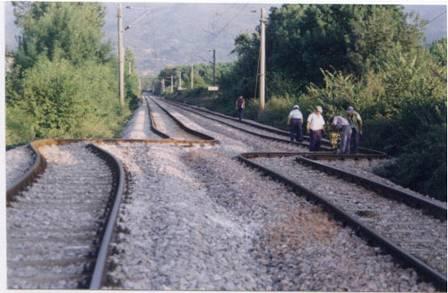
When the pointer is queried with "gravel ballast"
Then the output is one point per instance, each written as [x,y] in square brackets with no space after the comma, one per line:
[365,168]
[197,219]
[18,161]
[418,233]
[52,225]
[230,137]
[167,125]
[139,127]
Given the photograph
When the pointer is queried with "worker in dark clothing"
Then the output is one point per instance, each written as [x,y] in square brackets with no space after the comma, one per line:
[342,124]
[240,104]
[295,121]
[355,121]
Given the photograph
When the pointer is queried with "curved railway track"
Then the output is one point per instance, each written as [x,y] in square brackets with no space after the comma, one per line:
[72,253]
[256,128]
[387,217]
[68,202]
[411,228]
[54,226]
[18,162]
[140,126]
[165,124]
[181,130]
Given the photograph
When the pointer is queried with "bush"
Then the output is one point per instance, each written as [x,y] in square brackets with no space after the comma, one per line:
[276,111]
[18,126]
[61,100]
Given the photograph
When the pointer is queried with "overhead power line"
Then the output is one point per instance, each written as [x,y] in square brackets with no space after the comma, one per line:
[436,17]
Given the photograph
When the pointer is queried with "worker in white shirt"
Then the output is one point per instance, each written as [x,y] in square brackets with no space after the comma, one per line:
[315,126]
[342,124]
[295,122]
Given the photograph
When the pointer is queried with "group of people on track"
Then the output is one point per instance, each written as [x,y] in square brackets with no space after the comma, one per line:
[349,127]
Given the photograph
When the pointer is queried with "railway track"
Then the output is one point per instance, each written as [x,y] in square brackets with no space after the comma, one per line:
[73,253]
[68,203]
[18,162]
[240,141]
[181,130]
[258,129]
[55,225]
[141,125]
[169,125]
[412,229]
[361,219]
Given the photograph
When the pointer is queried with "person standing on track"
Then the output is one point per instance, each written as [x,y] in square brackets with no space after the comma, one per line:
[342,124]
[355,121]
[315,127]
[295,121]
[240,103]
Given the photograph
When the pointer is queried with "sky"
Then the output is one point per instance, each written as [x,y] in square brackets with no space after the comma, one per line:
[170,34]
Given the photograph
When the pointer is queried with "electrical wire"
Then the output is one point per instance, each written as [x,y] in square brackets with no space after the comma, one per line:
[222,29]
[436,17]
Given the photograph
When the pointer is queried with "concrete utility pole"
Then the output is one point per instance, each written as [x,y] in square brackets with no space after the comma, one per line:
[172,83]
[192,77]
[120,54]
[180,80]
[214,67]
[262,59]
[163,85]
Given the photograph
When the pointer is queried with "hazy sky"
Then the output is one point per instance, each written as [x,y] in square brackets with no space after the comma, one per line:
[183,33]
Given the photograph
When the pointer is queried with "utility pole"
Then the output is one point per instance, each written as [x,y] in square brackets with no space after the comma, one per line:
[120,54]
[172,83]
[214,67]
[192,77]
[180,80]
[262,59]
[163,85]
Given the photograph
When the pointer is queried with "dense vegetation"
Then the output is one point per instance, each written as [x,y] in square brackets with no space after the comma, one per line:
[64,79]
[370,56]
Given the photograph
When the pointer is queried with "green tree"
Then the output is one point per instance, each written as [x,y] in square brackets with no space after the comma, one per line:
[63,83]
[57,30]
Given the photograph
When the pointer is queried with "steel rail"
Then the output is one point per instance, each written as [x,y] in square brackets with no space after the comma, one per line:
[427,272]
[39,165]
[182,125]
[112,209]
[118,184]
[153,124]
[263,126]
[433,209]
[316,155]
[13,146]
[40,162]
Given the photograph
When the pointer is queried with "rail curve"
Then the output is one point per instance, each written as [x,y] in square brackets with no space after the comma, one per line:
[401,255]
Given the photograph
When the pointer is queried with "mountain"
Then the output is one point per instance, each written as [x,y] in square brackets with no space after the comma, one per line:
[168,34]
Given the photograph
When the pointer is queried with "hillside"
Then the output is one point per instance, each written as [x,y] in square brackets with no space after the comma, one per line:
[164,34]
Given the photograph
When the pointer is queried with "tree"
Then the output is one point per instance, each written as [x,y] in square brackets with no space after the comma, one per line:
[63,83]
[71,31]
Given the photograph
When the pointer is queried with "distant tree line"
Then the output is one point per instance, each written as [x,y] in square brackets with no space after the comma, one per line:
[369,56]
[202,78]
[64,82]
